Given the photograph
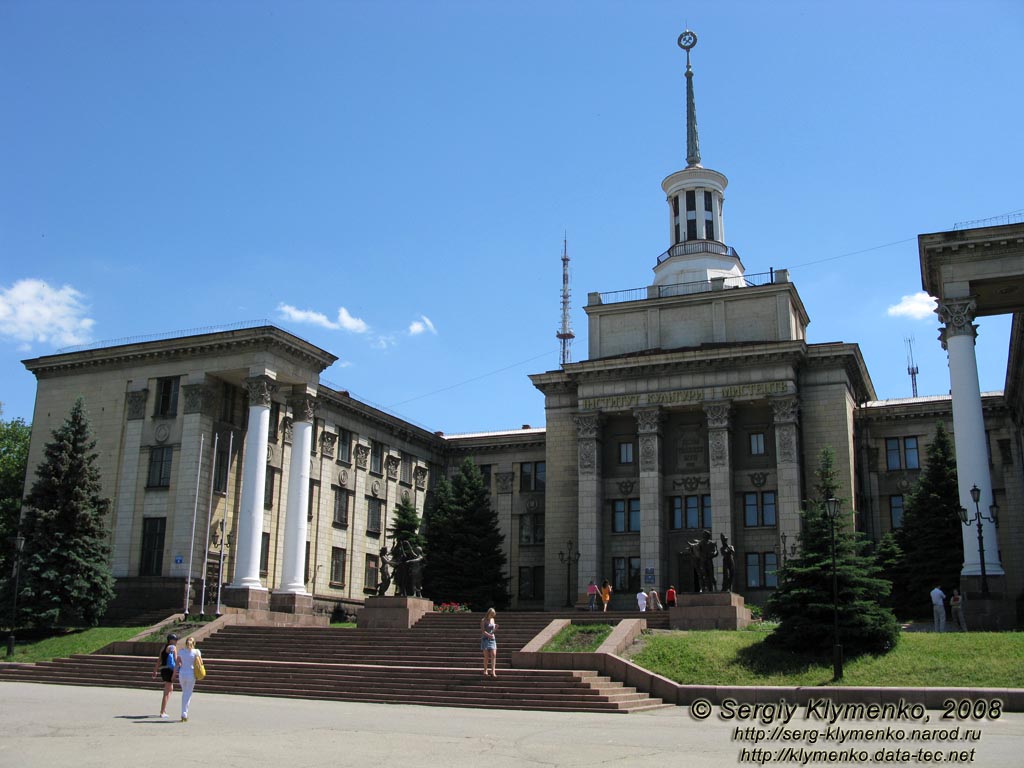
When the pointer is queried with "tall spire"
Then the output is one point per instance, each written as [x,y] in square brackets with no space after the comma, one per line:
[687,41]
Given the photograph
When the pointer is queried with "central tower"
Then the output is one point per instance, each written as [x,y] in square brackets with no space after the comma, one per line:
[697,250]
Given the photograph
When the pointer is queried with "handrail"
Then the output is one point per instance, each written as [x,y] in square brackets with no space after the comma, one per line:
[690,247]
[685,289]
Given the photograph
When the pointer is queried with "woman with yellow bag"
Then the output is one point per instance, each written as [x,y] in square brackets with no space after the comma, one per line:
[190,669]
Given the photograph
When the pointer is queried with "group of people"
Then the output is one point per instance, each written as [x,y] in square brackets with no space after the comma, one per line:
[956,608]
[644,600]
[177,666]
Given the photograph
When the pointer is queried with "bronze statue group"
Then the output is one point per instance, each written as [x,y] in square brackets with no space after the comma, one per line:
[406,561]
[704,551]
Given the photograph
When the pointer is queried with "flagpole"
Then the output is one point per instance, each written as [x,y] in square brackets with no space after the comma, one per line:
[209,517]
[195,512]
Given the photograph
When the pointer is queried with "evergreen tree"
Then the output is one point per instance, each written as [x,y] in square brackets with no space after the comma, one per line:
[803,601]
[406,525]
[14,441]
[931,537]
[66,575]
[464,559]
[889,559]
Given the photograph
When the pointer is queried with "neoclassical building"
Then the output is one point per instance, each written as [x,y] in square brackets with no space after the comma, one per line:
[700,406]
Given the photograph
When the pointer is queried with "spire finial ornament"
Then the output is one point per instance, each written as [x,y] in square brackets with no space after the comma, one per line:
[687,41]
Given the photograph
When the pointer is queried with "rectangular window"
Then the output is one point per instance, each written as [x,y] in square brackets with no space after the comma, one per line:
[691,229]
[314,497]
[342,506]
[338,562]
[268,489]
[753,570]
[228,395]
[634,514]
[264,554]
[707,201]
[167,397]
[376,457]
[344,446]
[757,443]
[405,474]
[771,568]
[759,511]
[275,421]
[220,470]
[538,528]
[896,511]
[619,582]
[152,561]
[910,453]
[691,200]
[625,453]
[705,504]
[371,575]
[525,530]
[318,430]
[305,566]
[693,512]
[619,516]
[675,513]
[892,453]
[634,574]
[525,582]
[532,476]
[373,516]
[709,229]
[485,473]
[160,466]
[625,515]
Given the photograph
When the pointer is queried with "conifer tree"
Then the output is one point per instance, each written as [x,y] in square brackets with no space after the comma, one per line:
[66,575]
[464,559]
[406,525]
[931,537]
[803,601]
[14,441]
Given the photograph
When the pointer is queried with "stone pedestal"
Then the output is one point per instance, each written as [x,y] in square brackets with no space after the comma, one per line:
[709,610]
[392,612]
[291,602]
[249,598]
[994,612]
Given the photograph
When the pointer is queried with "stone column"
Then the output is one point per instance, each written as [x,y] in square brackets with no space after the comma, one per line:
[653,538]
[718,414]
[787,466]
[591,498]
[291,596]
[957,337]
[128,530]
[246,589]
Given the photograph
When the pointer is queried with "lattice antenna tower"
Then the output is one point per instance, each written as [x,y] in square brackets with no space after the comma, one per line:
[565,334]
[911,368]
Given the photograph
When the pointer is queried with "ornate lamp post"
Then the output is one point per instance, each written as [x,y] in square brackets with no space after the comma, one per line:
[19,545]
[993,517]
[832,509]
[787,554]
[570,558]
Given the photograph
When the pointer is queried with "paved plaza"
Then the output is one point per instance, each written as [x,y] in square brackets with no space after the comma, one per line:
[48,725]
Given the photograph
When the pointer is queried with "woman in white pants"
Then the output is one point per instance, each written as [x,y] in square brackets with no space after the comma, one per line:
[187,674]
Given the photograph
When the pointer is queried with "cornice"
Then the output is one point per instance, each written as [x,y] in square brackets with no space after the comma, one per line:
[912,409]
[849,357]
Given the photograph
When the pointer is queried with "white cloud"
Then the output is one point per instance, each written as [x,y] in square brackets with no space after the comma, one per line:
[416,327]
[345,320]
[917,306]
[383,342]
[349,323]
[288,312]
[32,310]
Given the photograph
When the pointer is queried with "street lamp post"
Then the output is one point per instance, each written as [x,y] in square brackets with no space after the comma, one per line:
[19,545]
[832,508]
[570,559]
[993,517]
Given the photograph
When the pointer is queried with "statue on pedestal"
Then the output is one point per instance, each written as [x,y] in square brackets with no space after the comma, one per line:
[728,562]
[704,553]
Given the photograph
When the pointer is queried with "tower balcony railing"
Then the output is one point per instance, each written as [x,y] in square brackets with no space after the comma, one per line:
[692,247]
[724,282]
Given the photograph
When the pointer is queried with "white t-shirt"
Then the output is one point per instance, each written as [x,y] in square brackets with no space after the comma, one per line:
[938,597]
[641,600]
[187,661]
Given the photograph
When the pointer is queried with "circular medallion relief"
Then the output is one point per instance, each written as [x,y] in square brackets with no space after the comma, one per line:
[270,453]
[532,505]
[405,496]
[375,488]
[162,433]
[343,477]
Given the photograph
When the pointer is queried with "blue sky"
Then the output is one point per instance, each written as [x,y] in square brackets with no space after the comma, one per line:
[392,180]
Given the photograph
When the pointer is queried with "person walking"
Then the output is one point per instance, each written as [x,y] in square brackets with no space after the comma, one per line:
[606,595]
[670,597]
[641,600]
[939,608]
[654,602]
[165,666]
[956,607]
[489,642]
[187,674]
[592,596]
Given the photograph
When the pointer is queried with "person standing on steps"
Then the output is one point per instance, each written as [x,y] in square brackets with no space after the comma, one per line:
[606,595]
[489,642]
[592,596]
[187,674]
[165,666]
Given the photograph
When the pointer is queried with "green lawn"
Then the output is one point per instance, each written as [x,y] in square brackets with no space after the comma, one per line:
[921,659]
[69,642]
[579,638]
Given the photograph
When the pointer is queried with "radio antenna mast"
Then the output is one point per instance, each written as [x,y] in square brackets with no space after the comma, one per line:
[911,368]
[565,334]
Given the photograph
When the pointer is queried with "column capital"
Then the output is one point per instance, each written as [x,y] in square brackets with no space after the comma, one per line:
[137,404]
[718,413]
[303,407]
[260,389]
[958,316]
[649,420]
[588,425]
[785,408]
[199,398]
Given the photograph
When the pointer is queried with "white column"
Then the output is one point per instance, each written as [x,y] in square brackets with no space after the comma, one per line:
[590,501]
[292,573]
[254,476]
[652,527]
[958,337]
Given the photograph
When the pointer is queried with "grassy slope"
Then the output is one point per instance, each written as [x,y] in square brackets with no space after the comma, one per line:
[72,642]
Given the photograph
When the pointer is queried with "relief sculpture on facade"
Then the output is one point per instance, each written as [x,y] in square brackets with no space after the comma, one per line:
[648,453]
[718,414]
[588,425]
[717,444]
[391,467]
[588,457]
[785,437]
[362,455]
[137,404]
[785,409]
[420,477]
[504,481]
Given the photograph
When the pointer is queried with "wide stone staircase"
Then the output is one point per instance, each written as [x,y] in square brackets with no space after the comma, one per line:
[436,662]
